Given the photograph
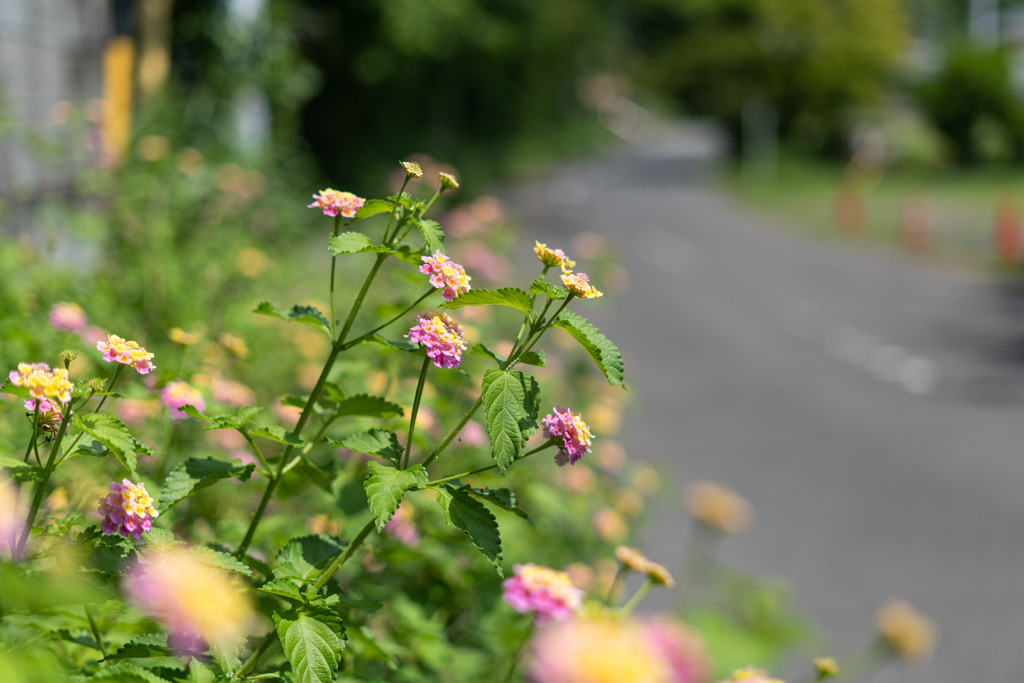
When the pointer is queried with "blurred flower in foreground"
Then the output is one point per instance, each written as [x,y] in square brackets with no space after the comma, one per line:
[631,558]
[50,416]
[718,507]
[445,275]
[682,648]
[905,630]
[826,667]
[751,675]
[68,317]
[42,382]
[135,411]
[579,284]
[180,336]
[199,606]
[127,509]
[597,648]
[441,336]
[177,393]
[401,526]
[333,202]
[231,392]
[548,593]
[553,258]
[12,517]
[568,426]
[118,350]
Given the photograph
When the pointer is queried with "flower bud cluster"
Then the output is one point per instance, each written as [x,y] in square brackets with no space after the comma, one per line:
[127,509]
[569,427]
[118,350]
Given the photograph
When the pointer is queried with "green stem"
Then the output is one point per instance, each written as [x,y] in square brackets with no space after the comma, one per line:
[518,653]
[257,654]
[394,209]
[35,435]
[40,490]
[454,432]
[95,630]
[536,337]
[613,589]
[416,408]
[334,263]
[360,338]
[256,450]
[431,202]
[547,444]
[345,556]
[110,387]
[637,597]
[118,371]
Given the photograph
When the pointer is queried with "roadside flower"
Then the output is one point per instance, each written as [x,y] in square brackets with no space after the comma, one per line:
[333,202]
[127,509]
[50,415]
[579,284]
[682,648]
[445,275]
[718,507]
[178,393]
[554,258]
[596,648]
[42,382]
[826,667]
[118,350]
[631,558]
[751,675]
[68,317]
[905,630]
[448,181]
[575,436]
[441,336]
[200,606]
[180,336]
[412,169]
[548,593]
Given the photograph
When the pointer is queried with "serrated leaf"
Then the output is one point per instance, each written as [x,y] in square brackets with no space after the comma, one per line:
[219,560]
[511,405]
[541,286]
[372,406]
[283,587]
[277,433]
[113,434]
[192,411]
[198,473]
[11,388]
[145,645]
[473,519]
[380,442]
[372,207]
[502,498]
[385,487]
[161,538]
[603,352]
[306,556]
[236,420]
[506,296]
[364,604]
[534,358]
[479,349]
[312,641]
[433,235]
[307,315]
[199,673]
[348,243]
[78,636]
[126,672]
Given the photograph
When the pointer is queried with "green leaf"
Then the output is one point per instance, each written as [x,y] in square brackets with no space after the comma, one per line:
[199,673]
[393,343]
[385,487]
[472,518]
[306,556]
[405,253]
[145,645]
[126,672]
[364,604]
[192,411]
[604,353]
[283,587]
[277,433]
[215,558]
[479,349]
[240,418]
[113,434]
[534,358]
[198,473]
[23,473]
[313,641]
[380,442]
[307,315]
[541,286]
[161,538]
[10,387]
[348,243]
[506,296]
[372,406]
[372,207]
[433,235]
[502,498]
[511,405]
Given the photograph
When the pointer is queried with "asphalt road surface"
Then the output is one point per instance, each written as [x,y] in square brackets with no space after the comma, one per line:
[868,404]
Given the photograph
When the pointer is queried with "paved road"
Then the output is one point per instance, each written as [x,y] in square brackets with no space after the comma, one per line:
[869,405]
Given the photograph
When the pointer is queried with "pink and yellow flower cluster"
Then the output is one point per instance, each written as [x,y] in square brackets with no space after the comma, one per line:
[127,509]
[50,415]
[178,393]
[441,336]
[68,317]
[333,202]
[445,275]
[579,284]
[568,427]
[548,593]
[553,258]
[118,350]
[42,382]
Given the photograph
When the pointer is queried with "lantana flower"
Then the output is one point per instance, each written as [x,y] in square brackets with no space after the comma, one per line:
[751,674]
[68,317]
[178,393]
[200,606]
[334,202]
[631,558]
[441,336]
[127,509]
[579,284]
[445,275]
[42,382]
[568,427]
[553,258]
[548,593]
[49,417]
[118,350]
[681,647]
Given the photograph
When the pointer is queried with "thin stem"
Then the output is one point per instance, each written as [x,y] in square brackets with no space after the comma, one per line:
[35,435]
[544,329]
[614,588]
[345,556]
[377,329]
[454,432]
[542,447]
[431,202]
[257,654]
[394,209]
[40,490]
[334,263]
[416,408]
[256,450]
[518,653]
[95,630]
[110,387]
[637,597]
